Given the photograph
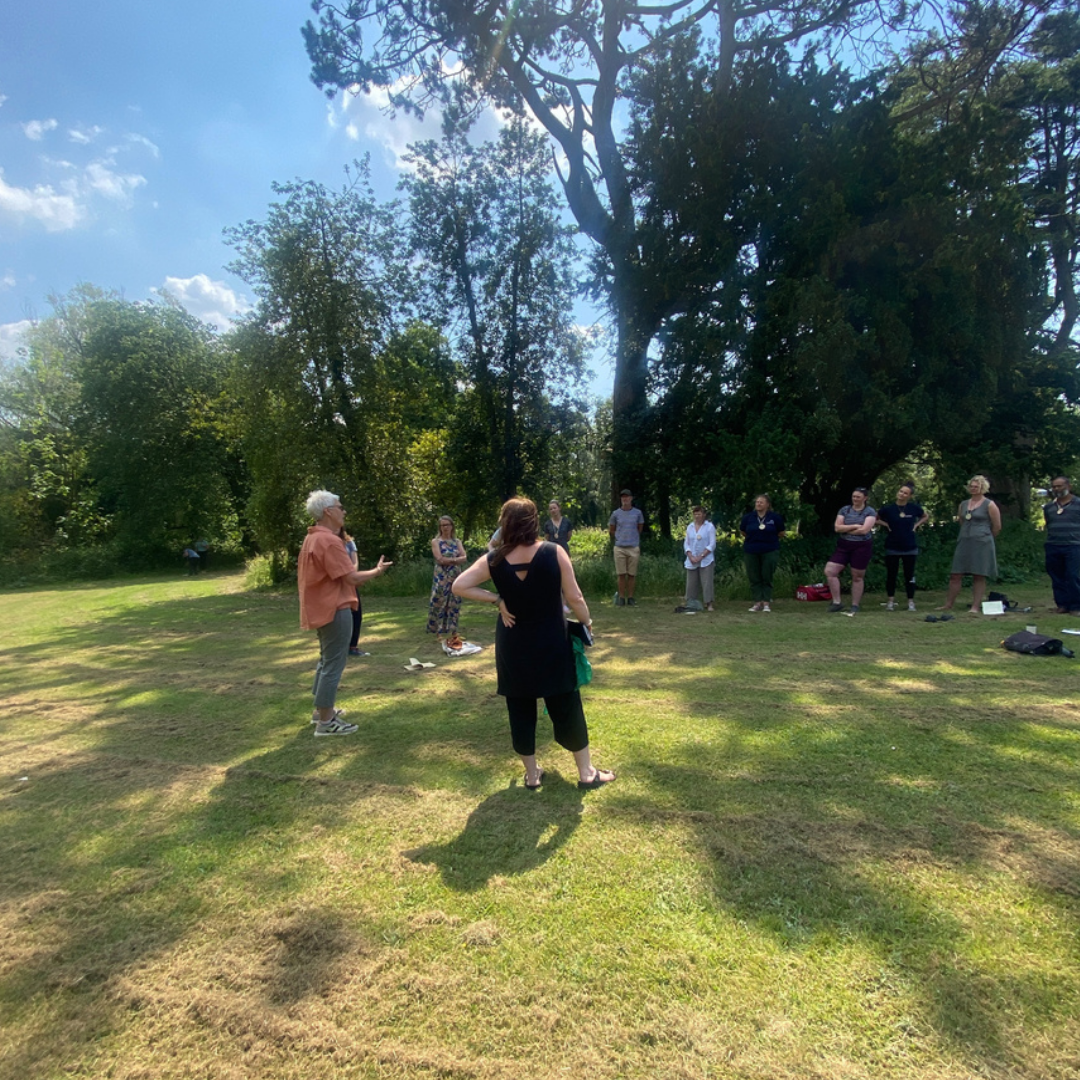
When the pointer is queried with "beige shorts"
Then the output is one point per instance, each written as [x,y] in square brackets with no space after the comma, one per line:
[626,560]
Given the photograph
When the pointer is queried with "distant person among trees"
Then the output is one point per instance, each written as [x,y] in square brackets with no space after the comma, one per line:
[761,529]
[1062,517]
[901,520]
[557,528]
[358,611]
[444,607]
[534,656]
[202,546]
[976,554]
[700,563]
[854,527]
[327,582]
[192,557]
[624,527]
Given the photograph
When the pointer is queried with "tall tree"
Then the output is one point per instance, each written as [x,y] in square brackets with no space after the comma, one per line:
[150,377]
[566,65]
[324,267]
[485,223]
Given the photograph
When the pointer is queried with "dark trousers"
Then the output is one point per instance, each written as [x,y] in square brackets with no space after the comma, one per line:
[567,719]
[357,620]
[892,566]
[1063,566]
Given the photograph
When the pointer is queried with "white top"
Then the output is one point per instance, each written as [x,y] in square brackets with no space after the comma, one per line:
[698,541]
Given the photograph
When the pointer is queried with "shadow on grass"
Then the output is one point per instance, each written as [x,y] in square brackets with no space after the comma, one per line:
[509,833]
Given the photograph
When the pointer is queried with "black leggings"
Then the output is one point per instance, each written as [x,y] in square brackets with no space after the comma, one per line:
[567,718]
[357,620]
[892,565]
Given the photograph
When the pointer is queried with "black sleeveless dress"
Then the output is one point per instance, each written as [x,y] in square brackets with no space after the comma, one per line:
[533,658]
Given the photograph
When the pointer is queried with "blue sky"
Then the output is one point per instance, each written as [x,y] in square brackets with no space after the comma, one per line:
[132,133]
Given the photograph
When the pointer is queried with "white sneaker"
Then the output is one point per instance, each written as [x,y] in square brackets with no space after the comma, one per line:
[756,607]
[911,605]
[765,607]
[890,606]
[334,727]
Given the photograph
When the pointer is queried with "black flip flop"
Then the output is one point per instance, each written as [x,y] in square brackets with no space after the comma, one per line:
[539,783]
[596,782]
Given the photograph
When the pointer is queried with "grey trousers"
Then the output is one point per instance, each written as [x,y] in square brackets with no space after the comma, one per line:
[700,580]
[333,655]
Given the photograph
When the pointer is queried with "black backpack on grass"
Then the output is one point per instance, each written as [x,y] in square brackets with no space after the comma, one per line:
[1036,644]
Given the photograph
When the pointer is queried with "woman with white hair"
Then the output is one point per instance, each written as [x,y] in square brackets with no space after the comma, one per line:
[328,583]
[980,522]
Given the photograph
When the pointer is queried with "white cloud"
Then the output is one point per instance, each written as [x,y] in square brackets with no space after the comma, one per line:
[8,280]
[11,338]
[100,177]
[83,135]
[36,129]
[3,98]
[212,301]
[42,204]
[363,117]
[142,140]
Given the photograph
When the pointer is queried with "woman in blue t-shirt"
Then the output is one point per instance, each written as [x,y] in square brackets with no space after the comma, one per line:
[901,519]
[854,527]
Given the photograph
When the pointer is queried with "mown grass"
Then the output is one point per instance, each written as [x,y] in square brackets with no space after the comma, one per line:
[836,848]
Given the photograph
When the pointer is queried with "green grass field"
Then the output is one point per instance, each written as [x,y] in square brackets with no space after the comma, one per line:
[837,848]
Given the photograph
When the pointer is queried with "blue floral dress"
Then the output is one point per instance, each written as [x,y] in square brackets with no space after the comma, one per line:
[444,608]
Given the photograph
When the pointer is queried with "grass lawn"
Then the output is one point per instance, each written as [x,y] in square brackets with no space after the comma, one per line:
[837,848]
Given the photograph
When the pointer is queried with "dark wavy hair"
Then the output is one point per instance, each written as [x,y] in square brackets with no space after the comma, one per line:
[520,524]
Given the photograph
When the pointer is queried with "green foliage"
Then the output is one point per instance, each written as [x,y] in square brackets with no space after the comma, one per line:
[498,272]
[150,376]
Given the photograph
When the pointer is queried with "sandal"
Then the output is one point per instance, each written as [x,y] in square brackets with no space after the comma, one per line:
[598,780]
[539,782]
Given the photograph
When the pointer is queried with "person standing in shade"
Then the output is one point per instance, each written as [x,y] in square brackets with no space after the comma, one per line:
[558,529]
[700,564]
[901,519]
[358,611]
[534,656]
[976,554]
[624,527]
[854,527]
[1062,517]
[327,583]
[761,529]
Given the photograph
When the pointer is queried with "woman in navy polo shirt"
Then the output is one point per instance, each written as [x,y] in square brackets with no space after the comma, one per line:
[761,529]
[901,519]
[854,527]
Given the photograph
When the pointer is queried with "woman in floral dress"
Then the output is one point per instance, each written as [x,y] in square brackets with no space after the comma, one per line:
[449,554]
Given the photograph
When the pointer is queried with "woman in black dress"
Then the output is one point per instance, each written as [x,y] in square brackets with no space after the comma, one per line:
[534,657]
